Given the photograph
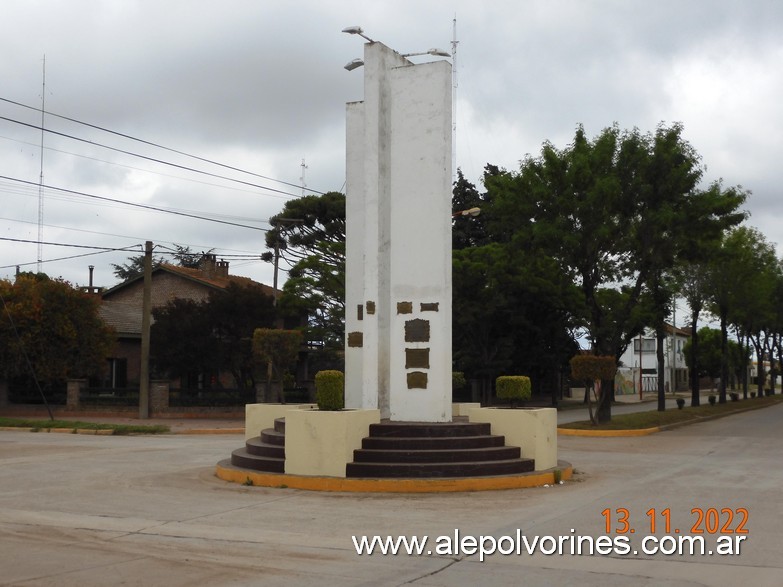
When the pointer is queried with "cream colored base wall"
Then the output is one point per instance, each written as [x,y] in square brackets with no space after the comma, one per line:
[261,416]
[322,443]
[463,408]
[534,431]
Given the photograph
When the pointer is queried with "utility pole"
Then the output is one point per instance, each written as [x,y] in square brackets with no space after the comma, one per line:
[144,372]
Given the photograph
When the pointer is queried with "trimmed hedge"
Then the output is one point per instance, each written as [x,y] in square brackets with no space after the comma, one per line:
[330,390]
[513,387]
[593,368]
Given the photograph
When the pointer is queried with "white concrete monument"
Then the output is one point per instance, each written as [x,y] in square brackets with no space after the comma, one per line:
[398,239]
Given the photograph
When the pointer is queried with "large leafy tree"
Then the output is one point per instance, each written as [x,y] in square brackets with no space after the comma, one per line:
[617,209]
[212,336]
[710,354]
[741,280]
[51,327]
[308,239]
[513,309]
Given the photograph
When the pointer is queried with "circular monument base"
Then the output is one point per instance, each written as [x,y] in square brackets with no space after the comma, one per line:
[228,472]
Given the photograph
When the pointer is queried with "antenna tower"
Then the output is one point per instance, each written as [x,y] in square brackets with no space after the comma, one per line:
[41,176]
[302,178]
[454,43]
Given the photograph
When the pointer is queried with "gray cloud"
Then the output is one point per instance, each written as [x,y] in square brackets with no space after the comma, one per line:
[260,85]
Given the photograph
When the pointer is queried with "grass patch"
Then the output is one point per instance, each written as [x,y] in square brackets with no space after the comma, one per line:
[653,419]
[119,429]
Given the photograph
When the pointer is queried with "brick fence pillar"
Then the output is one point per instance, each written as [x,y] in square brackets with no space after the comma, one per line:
[74,389]
[159,395]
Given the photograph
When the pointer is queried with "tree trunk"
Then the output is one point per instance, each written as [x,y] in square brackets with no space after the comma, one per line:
[746,346]
[603,411]
[694,366]
[761,372]
[724,361]
[660,337]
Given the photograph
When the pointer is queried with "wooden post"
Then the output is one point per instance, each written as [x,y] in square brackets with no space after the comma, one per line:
[144,372]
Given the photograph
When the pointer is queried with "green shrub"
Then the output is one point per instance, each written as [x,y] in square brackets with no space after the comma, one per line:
[330,390]
[593,368]
[680,403]
[458,380]
[513,388]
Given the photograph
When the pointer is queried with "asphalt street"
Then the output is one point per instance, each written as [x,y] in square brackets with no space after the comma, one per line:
[148,510]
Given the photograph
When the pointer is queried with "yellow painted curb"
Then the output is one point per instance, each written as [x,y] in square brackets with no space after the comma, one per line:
[607,433]
[212,431]
[280,480]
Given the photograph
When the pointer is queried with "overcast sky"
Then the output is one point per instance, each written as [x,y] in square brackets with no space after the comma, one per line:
[259,85]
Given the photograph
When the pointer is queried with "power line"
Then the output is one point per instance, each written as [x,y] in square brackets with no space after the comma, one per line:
[97,251]
[147,158]
[36,242]
[114,163]
[145,206]
[153,144]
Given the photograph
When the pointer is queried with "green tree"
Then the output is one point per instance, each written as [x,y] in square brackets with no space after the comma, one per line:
[134,266]
[693,286]
[513,311]
[469,231]
[210,337]
[185,257]
[609,211]
[734,274]
[54,326]
[308,237]
[278,350]
[710,354]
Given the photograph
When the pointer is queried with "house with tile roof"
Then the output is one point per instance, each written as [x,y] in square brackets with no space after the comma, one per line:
[121,308]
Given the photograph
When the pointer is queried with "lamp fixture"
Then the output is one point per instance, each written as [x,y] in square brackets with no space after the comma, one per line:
[357,30]
[435,52]
[353,64]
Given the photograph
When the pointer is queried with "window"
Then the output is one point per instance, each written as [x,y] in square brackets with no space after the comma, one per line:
[648,345]
[117,374]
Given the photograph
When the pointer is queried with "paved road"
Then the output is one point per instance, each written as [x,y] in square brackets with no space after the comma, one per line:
[92,510]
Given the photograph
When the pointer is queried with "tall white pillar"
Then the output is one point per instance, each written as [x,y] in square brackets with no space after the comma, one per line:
[398,251]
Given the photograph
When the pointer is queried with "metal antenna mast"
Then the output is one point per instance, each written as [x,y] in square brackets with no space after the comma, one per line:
[454,43]
[41,176]
[302,178]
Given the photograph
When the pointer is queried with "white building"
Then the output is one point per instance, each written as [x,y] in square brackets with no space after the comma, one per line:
[643,352]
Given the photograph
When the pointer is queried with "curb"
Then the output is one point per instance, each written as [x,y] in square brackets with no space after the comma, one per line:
[647,431]
[211,431]
[87,431]
[227,472]
[608,433]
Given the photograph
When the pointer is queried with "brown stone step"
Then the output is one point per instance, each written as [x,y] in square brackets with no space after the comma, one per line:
[429,429]
[465,455]
[256,446]
[437,443]
[242,458]
[271,436]
[438,470]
